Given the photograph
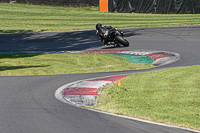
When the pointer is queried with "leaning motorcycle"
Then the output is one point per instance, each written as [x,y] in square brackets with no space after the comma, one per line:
[111,36]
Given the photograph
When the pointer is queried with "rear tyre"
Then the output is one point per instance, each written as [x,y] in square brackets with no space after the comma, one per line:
[123,41]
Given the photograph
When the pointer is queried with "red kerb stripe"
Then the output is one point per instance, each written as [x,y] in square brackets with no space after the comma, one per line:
[113,78]
[159,55]
[103,51]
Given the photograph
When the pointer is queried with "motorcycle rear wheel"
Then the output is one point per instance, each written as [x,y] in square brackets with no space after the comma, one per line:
[123,41]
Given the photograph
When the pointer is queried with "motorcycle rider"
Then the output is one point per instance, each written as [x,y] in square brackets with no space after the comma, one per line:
[103,32]
[111,36]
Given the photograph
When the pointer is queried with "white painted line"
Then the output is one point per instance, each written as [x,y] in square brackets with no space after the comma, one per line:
[81,100]
[59,96]
[161,61]
[140,120]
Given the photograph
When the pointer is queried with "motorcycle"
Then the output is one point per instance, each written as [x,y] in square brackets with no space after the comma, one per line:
[111,36]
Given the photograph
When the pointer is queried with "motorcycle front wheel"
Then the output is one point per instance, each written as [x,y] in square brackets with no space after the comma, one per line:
[121,40]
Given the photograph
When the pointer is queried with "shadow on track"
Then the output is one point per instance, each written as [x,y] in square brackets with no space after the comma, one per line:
[49,41]
[52,41]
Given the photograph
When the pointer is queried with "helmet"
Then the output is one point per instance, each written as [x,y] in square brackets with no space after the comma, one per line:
[98,25]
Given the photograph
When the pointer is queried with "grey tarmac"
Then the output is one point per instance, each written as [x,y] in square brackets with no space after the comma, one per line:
[28,105]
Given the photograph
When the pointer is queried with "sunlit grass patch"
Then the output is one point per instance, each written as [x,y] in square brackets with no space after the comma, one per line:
[65,63]
[29,18]
[168,96]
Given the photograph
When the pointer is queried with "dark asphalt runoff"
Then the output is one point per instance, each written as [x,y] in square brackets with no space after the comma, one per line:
[28,105]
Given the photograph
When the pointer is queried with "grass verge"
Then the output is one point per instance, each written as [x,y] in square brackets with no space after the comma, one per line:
[31,18]
[65,63]
[168,96]
[172,98]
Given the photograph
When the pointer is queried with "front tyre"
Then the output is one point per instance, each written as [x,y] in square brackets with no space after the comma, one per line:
[121,40]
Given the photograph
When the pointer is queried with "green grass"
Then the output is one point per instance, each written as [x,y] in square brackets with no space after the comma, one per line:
[65,63]
[169,96]
[29,18]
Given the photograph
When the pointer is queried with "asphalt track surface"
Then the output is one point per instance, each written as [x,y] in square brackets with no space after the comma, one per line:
[28,105]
